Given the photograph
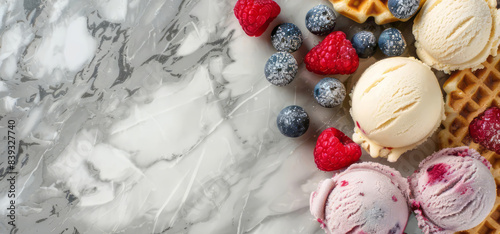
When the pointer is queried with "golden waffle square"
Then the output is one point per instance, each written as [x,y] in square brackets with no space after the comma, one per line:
[468,95]
[360,10]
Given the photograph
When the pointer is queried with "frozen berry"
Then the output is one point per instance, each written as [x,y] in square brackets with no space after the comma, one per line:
[485,129]
[293,121]
[392,42]
[334,150]
[334,55]
[329,92]
[286,37]
[281,68]
[365,43]
[255,15]
[403,9]
[320,20]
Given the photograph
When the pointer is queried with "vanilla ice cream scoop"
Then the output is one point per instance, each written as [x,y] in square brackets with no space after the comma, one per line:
[396,105]
[456,35]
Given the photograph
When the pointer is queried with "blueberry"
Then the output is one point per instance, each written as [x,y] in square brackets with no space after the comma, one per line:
[395,229]
[391,42]
[281,68]
[365,43]
[403,9]
[320,20]
[292,121]
[286,37]
[329,92]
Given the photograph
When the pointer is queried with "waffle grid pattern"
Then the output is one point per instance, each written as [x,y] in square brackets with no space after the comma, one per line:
[360,10]
[468,95]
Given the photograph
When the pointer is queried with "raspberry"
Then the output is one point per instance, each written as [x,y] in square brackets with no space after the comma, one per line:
[334,55]
[334,150]
[485,129]
[255,15]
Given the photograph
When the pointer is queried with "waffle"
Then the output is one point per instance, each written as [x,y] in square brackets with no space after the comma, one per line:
[360,10]
[468,95]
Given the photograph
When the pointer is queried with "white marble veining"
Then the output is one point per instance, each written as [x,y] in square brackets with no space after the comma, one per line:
[149,116]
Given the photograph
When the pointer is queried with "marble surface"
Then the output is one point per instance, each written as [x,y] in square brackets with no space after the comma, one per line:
[154,116]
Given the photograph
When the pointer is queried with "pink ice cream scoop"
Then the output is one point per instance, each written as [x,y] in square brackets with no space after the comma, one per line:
[365,198]
[453,190]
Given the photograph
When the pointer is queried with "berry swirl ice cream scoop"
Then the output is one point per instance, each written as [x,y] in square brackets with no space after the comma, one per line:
[366,198]
[452,191]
